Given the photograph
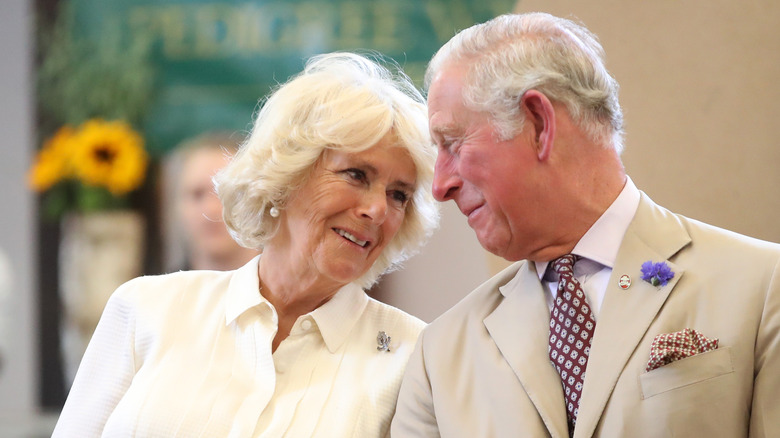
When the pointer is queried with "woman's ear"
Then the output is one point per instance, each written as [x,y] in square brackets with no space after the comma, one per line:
[540,115]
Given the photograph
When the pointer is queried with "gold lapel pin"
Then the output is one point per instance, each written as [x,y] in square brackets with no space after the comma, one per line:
[624,282]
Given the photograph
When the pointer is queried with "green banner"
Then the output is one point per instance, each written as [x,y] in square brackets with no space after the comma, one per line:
[215,60]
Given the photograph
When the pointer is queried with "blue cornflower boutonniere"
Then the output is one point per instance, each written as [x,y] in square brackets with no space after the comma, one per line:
[657,274]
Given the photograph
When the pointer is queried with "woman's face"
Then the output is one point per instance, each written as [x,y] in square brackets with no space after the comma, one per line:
[352,205]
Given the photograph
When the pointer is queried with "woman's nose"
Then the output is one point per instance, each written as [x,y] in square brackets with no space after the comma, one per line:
[374,206]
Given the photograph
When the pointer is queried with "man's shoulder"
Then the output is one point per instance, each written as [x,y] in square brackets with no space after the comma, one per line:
[701,231]
[654,221]
[477,305]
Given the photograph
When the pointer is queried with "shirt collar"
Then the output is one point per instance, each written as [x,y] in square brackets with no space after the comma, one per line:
[244,291]
[602,241]
[336,318]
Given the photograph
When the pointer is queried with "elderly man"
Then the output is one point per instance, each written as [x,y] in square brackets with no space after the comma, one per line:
[621,318]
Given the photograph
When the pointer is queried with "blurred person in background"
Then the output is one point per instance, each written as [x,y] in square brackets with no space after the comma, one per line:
[334,185]
[197,238]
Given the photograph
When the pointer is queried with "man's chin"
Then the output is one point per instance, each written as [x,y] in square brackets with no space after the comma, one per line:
[500,248]
[491,246]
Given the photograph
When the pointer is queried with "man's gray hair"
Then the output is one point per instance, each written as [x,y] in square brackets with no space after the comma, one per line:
[514,53]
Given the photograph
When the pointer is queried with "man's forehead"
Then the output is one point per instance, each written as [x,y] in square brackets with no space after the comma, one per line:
[447,80]
[444,100]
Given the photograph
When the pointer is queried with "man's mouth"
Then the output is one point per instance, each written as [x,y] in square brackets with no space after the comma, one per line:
[468,212]
[351,238]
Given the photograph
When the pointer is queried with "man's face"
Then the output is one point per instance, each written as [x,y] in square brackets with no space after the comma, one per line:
[494,182]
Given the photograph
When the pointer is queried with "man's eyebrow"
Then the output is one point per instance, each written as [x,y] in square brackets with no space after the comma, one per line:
[448,130]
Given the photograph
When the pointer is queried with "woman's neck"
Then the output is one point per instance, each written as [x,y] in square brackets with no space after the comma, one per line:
[221,262]
[291,289]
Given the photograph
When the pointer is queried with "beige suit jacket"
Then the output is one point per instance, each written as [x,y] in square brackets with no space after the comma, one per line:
[482,369]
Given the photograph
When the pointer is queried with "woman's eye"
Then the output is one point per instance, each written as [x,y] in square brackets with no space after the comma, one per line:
[356,174]
[399,196]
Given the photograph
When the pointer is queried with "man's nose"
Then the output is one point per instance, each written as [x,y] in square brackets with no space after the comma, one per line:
[446,181]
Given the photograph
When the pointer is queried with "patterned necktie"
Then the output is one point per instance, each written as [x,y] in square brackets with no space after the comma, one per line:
[571,333]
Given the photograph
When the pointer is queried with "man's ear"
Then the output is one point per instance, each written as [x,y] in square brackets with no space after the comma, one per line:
[540,115]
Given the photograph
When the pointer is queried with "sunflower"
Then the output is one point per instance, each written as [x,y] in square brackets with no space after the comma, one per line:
[52,164]
[110,155]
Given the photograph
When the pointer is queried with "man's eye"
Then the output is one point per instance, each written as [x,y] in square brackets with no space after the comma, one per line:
[450,147]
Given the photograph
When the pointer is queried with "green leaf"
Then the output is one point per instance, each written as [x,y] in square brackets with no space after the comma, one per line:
[92,198]
[79,79]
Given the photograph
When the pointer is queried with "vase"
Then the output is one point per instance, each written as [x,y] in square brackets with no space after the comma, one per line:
[98,252]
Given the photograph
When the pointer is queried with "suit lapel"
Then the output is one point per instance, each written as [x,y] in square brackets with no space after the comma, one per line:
[655,235]
[520,328]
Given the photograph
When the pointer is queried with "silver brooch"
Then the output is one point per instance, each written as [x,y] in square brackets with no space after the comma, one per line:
[383,341]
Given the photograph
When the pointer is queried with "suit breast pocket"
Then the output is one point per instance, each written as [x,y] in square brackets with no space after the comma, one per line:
[688,371]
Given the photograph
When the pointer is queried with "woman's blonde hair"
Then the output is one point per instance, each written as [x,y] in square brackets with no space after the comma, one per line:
[341,101]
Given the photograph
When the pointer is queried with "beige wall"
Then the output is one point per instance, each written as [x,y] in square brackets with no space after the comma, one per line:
[700,87]
[451,264]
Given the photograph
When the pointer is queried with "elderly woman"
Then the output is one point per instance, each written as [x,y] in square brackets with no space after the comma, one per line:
[333,184]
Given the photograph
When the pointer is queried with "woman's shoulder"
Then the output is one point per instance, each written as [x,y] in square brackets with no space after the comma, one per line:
[180,280]
[178,287]
[383,313]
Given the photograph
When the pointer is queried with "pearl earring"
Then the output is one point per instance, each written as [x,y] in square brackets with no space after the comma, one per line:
[273,211]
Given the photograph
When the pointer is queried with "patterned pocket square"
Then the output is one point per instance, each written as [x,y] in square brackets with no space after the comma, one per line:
[669,347]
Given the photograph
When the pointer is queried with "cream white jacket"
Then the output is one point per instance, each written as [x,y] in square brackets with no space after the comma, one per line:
[189,355]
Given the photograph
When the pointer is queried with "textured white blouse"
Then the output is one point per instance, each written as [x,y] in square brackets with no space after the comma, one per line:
[189,355]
